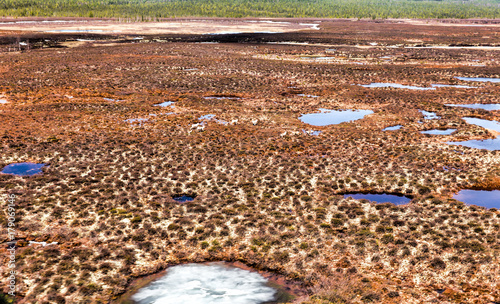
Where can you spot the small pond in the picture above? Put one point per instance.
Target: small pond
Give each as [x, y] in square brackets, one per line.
[393, 128]
[23, 169]
[332, 117]
[212, 283]
[439, 132]
[165, 104]
[479, 79]
[183, 198]
[488, 144]
[488, 199]
[393, 85]
[429, 115]
[489, 107]
[381, 198]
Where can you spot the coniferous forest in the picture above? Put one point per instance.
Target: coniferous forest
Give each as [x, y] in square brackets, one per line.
[154, 9]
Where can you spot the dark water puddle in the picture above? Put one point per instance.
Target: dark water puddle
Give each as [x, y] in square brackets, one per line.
[483, 198]
[380, 198]
[183, 198]
[212, 117]
[394, 85]
[23, 169]
[332, 117]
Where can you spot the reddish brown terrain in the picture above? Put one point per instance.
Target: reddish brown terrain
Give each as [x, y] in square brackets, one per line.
[266, 194]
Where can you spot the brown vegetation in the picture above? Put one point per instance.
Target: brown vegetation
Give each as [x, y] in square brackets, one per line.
[263, 197]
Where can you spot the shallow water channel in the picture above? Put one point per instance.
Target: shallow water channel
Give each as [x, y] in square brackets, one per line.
[23, 169]
[488, 144]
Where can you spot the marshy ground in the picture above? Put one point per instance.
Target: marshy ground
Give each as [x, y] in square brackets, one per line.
[266, 193]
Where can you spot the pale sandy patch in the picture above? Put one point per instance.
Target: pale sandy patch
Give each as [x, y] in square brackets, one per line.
[166, 27]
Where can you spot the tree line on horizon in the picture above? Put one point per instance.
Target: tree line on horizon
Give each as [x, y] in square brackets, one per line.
[155, 9]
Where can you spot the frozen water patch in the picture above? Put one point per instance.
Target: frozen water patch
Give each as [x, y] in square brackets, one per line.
[429, 115]
[479, 79]
[489, 107]
[206, 284]
[3, 101]
[393, 85]
[393, 128]
[332, 117]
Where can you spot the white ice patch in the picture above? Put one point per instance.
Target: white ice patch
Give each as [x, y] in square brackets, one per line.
[206, 284]
[42, 243]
